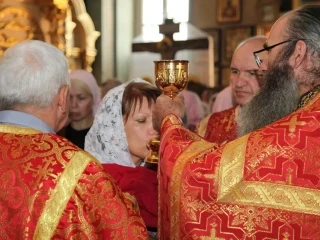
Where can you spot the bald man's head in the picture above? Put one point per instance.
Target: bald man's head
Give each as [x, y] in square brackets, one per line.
[246, 77]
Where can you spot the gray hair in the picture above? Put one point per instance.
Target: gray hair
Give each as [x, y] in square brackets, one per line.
[31, 74]
[304, 24]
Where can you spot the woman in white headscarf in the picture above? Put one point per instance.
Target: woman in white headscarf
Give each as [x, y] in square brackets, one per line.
[119, 136]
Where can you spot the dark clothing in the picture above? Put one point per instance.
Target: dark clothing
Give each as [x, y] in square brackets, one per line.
[75, 136]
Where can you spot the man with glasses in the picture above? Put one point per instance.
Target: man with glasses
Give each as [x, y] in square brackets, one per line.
[246, 79]
[265, 184]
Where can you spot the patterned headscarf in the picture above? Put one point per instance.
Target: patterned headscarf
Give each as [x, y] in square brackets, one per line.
[90, 81]
[106, 139]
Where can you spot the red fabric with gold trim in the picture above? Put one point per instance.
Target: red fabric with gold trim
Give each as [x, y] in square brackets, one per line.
[221, 127]
[30, 167]
[265, 185]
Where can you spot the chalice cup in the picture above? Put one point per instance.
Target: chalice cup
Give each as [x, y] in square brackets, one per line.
[171, 78]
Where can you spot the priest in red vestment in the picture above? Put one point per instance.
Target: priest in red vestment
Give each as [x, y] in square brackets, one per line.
[246, 79]
[50, 188]
[265, 184]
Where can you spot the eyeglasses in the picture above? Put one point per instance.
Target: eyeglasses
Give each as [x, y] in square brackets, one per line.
[259, 60]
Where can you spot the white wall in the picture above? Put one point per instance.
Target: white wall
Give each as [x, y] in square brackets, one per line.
[124, 36]
[107, 40]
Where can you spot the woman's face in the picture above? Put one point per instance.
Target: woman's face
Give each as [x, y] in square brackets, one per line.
[139, 131]
[80, 104]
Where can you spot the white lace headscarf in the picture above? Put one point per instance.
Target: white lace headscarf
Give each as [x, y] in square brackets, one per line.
[106, 139]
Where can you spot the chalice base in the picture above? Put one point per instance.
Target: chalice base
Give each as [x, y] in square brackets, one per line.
[153, 159]
[153, 146]
[171, 91]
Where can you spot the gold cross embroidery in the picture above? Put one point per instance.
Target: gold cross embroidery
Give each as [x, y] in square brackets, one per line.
[230, 122]
[224, 120]
[289, 176]
[41, 172]
[286, 236]
[212, 234]
[228, 127]
[293, 123]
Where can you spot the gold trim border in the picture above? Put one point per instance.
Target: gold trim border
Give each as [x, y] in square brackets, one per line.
[60, 196]
[233, 189]
[13, 129]
[277, 196]
[232, 165]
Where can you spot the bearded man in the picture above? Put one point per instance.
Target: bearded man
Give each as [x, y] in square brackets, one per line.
[265, 184]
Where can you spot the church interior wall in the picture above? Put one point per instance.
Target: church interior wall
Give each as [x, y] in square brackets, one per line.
[119, 21]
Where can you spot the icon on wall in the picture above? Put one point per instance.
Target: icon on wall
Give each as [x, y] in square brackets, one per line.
[228, 11]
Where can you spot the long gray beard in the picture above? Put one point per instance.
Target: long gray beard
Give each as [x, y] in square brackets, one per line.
[279, 97]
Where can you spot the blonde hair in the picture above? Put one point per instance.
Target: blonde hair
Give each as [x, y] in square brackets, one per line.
[81, 85]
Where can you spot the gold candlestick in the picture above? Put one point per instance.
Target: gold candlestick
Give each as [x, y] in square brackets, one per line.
[171, 78]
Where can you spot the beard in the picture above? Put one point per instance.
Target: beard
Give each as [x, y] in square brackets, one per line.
[277, 98]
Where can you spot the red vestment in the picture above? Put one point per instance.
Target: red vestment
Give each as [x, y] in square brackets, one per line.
[49, 188]
[219, 127]
[265, 185]
[142, 183]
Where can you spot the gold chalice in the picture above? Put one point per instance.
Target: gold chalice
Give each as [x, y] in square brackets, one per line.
[171, 78]
[153, 147]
